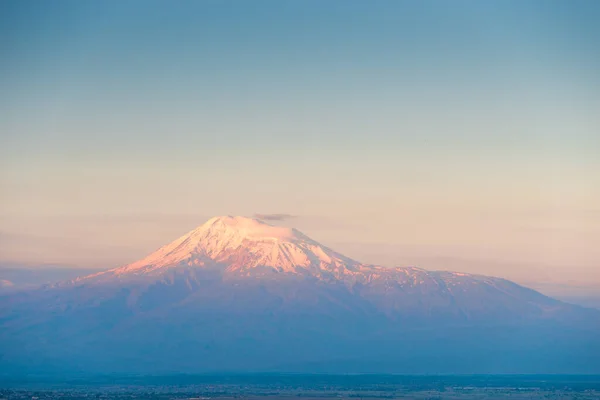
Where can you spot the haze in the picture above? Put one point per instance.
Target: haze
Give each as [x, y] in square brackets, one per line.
[463, 136]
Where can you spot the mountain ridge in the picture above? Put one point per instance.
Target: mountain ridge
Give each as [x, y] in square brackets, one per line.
[205, 244]
[239, 294]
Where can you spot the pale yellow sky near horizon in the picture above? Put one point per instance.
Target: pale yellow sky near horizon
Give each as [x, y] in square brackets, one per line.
[520, 219]
[543, 248]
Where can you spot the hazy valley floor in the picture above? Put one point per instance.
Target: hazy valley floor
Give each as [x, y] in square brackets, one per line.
[308, 387]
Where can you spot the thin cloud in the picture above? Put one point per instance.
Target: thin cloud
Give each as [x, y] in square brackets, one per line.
[274, 217]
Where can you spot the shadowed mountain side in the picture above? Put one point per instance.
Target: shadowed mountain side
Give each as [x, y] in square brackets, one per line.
[239, 295]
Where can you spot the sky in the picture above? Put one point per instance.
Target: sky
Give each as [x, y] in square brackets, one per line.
[457, 135]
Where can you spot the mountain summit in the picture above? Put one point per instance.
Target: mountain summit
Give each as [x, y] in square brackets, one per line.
[250, 251]
[241, 245]
[238, 294]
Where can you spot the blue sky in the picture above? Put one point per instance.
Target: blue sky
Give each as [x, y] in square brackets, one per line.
[462, 129]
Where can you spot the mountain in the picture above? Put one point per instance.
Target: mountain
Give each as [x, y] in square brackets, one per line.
[23, 276]
[238, 294]
[6, 283]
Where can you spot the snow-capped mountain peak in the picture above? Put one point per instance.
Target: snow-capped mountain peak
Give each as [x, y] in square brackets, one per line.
[239, 247]
[243, 246]
[236, 285]
[247, 228]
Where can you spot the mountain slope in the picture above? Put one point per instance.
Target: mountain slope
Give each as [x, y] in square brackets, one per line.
[237, 248]
[239, 294]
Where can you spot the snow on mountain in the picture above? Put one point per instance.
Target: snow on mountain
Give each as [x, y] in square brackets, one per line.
[238, 294]
[239, 249]
[241, 246]
[6, 283]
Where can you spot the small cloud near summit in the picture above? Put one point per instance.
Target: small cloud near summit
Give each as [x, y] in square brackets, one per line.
[274, 217]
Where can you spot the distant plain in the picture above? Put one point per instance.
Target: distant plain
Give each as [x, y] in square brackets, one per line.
[308, 387]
